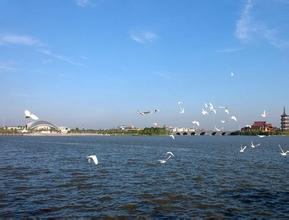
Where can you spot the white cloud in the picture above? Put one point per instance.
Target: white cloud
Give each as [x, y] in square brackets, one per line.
[143, 37]
[6, 67]
[83, 3]
[19, 40]
[243, 26]
[248, 28]
[16, 39]
[59, 57]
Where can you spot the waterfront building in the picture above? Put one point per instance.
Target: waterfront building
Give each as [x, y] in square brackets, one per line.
[262, 126]
[42, 126]
[284, 121]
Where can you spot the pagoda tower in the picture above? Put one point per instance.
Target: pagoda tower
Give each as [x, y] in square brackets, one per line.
[284, 121]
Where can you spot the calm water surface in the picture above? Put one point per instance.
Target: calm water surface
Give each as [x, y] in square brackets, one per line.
[208, 177]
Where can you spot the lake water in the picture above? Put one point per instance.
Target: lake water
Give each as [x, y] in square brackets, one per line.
[207, 178]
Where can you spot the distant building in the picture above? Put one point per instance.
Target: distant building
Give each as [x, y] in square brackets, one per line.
[64, 130]
[42, 126]
[18, 128]
[262, 126]
[259, 126]
[128, 128]
[284, 121]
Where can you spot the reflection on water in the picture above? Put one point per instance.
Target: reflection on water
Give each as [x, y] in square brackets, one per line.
[208, 177]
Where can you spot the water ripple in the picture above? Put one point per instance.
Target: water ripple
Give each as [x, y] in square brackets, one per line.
[49, 177]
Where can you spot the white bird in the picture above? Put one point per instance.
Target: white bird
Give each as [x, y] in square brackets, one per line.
[264, 114]
[182, 109]
[253, 146]
[172, 136]
[282, 152]
[155, 124]
[204, 112]
[248, 126]
[144, 113]
[234, 118]
[225, 109]
[93, 158]
[211, 108]
[196, 123]
[28, 114]
[217, 129]
[232, 74]
[242, 148]
[211, 105]
[169, 155]
[223, 121]
[261, 136]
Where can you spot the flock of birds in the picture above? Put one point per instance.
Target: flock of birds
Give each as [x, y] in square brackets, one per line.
[169, 154]
[283, 153]
[207, 109]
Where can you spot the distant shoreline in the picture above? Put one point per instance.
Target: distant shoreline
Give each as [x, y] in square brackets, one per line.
[119, 135]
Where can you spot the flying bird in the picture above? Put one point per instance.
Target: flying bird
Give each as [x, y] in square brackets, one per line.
[28, 114]
[196, 123]
[264, 114]
[172, 136]
[253, 146]
[232, 74]
[223, 121]
[242, 148]
[217, 129]
[234, 118]
[204, 112]
[225, 109]
[211, 108]
[168, 156]
[182, 109]
[93, 158]
[144, 113]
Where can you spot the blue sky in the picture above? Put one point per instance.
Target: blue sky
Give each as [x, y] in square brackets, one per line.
[94, 63]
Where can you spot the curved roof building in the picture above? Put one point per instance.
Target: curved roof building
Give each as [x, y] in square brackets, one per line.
[41, 125]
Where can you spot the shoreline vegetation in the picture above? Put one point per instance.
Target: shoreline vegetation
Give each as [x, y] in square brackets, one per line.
[152, 131]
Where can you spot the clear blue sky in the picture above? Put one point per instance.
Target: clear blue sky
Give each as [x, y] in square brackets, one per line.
[94, 63]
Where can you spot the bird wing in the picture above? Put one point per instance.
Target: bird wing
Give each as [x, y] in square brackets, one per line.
[281, 148]
[94, 158]
[169, 152]
[34, 117]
